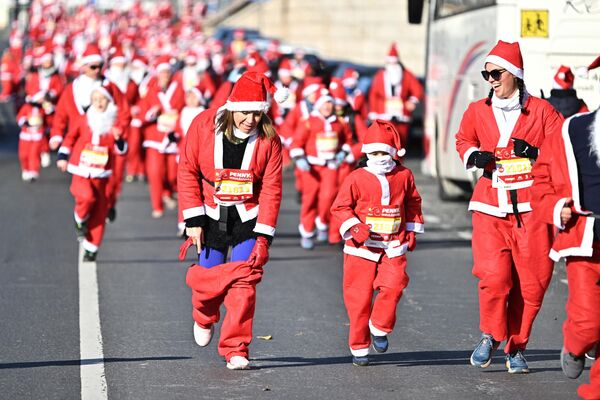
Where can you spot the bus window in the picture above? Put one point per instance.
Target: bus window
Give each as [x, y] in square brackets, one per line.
[447, 8]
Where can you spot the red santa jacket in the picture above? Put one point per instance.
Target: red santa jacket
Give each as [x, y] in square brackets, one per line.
[11, 72]
[556, 179]
[159, 112]
[203, 157]
[90, 155]
[71, 103]
[319, 139]
[299, 113]
[389, 203]
[479, 132]
[44, 89]
[31, 121]
[384, 105]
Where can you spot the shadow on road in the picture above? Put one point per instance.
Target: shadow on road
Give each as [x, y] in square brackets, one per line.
[58, 363]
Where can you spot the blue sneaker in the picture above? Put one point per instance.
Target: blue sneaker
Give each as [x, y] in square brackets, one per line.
[516, 363]
[360, 361]
[482, 355]
[380, 343]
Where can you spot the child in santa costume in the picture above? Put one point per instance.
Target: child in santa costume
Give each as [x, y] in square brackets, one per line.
[565, 194]
[501, 135]
[319, 147]
[31, 120]
[88, 152]
[379, 209]
[231, 163]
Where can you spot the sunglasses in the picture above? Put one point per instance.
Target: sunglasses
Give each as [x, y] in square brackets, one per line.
[495, 74]
[95, 67]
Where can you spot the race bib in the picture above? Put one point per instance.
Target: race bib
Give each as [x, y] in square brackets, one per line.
[35, 121]
[511, 172]
[233, 185]
[327, 145]
[94, 156]
[394, 106]
[384, 221]
[167, 121]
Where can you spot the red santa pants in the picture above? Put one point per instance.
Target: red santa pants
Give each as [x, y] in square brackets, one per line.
[162, 176]
[234, 285]
[29, 156]
[514, 271]
[115, 182]
[361, 278]
[135, 161]
[582, 327]
[319, 187]
[91, 205]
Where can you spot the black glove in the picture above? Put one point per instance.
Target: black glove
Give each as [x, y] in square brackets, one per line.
[524, 149]
[173, 137]
[480, 158]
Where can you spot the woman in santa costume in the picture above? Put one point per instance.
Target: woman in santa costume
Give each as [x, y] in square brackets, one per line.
[379, 209]
[88, 152]
[565, 194]
[320, 145]
[501, 135]
[231, 163]
[160, 111]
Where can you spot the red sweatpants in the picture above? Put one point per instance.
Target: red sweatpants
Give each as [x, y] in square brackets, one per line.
[135, 160]
[514, 271]
[234, 285]
[29, 156]
[162, 176]
[91, 205]
[361, 278]
[115, 182]
[582, 327]
[319, 187]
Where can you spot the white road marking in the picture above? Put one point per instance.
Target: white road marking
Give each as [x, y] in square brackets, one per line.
[93, 380]
[430, 218]
[566, 282]
[467, 235]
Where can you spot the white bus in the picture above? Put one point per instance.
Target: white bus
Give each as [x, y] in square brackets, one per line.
[462, 32]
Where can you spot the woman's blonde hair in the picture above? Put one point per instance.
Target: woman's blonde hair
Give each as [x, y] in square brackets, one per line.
[224, 123]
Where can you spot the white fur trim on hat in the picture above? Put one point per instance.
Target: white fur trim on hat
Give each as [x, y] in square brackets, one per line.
[310, 89]
[322, 100]
[119, 59]
[163, 66]
[246, 105]
[104, 92]
[91, 58]
[372, 147]
[513, 69]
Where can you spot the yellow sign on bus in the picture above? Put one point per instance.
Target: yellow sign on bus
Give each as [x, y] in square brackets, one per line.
[534, 23]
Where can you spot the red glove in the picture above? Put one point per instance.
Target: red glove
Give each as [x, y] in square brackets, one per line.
[260, 253]
[412, 242]
[184, 248]
[360, 232]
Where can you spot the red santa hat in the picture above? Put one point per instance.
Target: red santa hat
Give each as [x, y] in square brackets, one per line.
[98, 87]
[563, 79]
[48, 52]
[311, 85]
[162, 63]
[350, 77]
[338, 92]
[255, 63]
[392, 56]
[250, 93]
[508, 56]
[190, 57]
[91, 54]
[139, 61]
[117, 57]
[383, 136]
[285, 68]
[324, 97]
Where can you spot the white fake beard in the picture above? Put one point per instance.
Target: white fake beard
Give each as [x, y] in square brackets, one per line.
[119, 77]
[84, 88]
[101, 122]
[202, 65]
[595, 138]
[381, 165]
[394, 73]
[137, 75]
[190, 74]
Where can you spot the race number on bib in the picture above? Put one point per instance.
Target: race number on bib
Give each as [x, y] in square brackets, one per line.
[384, 221]
[394, 106]
[166, 122]
[511, 172]
[327, 145]
[233, 184]
[94, 156]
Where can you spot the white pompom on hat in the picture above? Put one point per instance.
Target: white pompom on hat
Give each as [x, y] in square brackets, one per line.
[563, 79]
[383, 136]
[508, 56]
[250, 93]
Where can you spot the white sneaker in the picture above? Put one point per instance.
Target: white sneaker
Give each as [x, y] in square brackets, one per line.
[25, 176]
[238, 362]
[307, 243]
[157, 214]
[202, 336]
[170, 203]
[322, 235]
[45, 160]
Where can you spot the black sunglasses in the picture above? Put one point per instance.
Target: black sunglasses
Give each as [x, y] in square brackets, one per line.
[495, 74]
[95, 67]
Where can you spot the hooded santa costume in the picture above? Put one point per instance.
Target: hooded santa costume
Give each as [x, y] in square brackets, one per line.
[563, 96]
[90, 147]
[379, 211]
[565, 181]
[225, 172]
[394, 94]
[509, 247]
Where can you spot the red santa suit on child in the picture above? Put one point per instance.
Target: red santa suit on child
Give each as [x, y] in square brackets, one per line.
[565, 181]
[319, 146]
[90, 147]
[31, 120]
[509, 246]
[379, 209]
[394, 94]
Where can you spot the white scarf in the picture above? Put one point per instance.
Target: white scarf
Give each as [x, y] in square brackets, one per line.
[595, 137]
[507, 105]
[381, 165]
[101, 122]
[243, 135]
[506, 113]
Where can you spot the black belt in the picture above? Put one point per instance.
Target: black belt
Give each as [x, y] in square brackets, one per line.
[223, 214]
[513, 198]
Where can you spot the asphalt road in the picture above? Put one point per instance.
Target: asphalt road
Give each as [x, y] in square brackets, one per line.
[145, 310]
